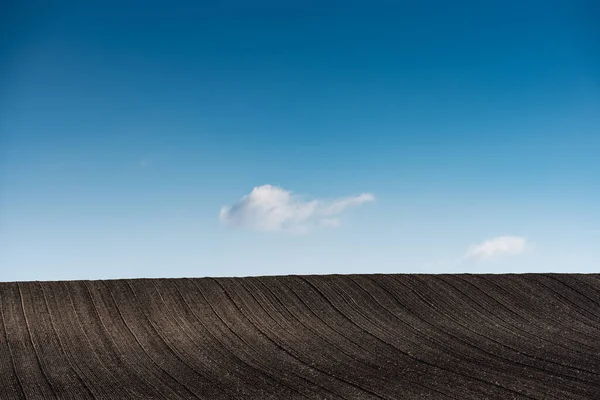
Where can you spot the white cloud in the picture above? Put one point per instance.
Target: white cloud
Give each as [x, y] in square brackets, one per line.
[496, 247]
[339, 206]
[271, 208]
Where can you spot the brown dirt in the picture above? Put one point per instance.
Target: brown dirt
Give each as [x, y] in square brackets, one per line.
[523, 336]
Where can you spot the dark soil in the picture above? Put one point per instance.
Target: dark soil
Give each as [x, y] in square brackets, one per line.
[529, 336]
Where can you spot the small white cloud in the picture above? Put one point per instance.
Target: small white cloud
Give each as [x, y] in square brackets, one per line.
[496, 247]
[271, 208]
[339, 206]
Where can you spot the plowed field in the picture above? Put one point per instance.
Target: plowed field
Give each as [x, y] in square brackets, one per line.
[529, 336]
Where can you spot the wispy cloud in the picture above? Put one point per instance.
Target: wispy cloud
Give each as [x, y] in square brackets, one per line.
[497, 247]
[271, 208]
[490, 249]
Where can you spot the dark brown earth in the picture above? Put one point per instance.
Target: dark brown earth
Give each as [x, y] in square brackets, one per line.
[532, 336]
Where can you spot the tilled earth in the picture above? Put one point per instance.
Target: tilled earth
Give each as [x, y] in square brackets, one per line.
[529, 336]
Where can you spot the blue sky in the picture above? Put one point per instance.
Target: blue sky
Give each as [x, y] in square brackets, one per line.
[260, 138]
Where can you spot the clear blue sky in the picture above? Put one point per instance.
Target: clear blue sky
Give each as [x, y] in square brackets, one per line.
[127, 129]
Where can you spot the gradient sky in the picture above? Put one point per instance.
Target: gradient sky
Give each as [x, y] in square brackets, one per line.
[127, 129]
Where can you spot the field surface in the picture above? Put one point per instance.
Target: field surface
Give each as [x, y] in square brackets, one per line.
[531, 336]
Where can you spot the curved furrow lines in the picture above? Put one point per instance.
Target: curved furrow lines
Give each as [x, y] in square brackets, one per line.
[399, 317]
[470, 335]
[305, 335]
[491, 326]
[554, 311]
[445, 320]
[359, 337]
[540, 337]
[130, 346]
[371, 343]
[229, 316]
[288, 334]
[229, 350]
[585, 287]
[215, 337]
[572, 299]
[403, 356]
[524, 337]
[130, 367]
[154, 344]
[119, 374]
[524, 318]
[539, 373]
[254, 334]
[195, 372]
[412, 346]
[450, 336]
[11, 386]
[211, 346]
[27, 366]
[565, 300]
[246, 355]
[472, 347]
[57, 344]
[450, 363]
